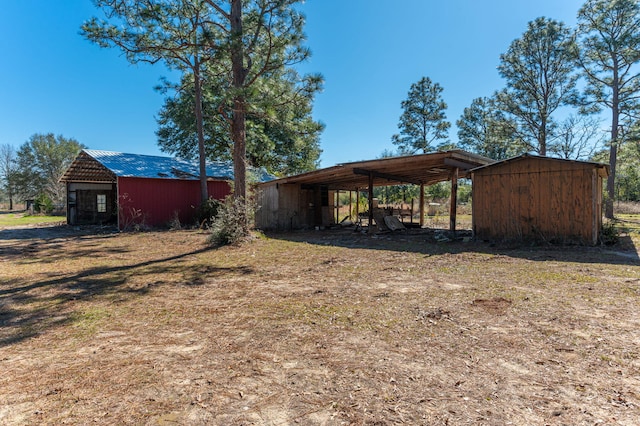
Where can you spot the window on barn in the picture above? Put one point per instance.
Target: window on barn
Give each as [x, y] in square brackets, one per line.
[102, 203]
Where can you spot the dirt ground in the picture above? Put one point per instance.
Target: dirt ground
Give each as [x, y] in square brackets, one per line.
[315, 328]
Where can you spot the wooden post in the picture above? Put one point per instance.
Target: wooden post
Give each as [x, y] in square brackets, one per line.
[317, 201]
[411, 212]
[350, 204]
[454, 201]
[421, 205]
[337, 198]
[357, 203]
[473, 216]
[370, 202]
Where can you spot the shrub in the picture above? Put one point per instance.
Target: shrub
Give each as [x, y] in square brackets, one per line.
[230, 224]
[43, 204]
[131, 218]
[206, 212]
[609, 234]
[174, 223]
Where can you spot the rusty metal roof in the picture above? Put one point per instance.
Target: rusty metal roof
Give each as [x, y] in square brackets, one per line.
[105, 166]
[416, 169]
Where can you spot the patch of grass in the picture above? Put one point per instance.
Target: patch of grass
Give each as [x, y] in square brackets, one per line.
[21, 219]
[87, 322]
[628, 223]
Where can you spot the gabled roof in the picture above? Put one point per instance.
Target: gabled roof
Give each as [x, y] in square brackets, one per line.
[105, 166]
[417, 169]
[603, 169]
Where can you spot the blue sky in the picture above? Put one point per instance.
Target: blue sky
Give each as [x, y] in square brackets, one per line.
[53, 80]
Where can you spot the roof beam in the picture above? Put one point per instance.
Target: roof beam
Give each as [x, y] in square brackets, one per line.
[387, 176]
[459, 164]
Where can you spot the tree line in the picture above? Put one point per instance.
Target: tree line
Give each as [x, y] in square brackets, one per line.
[33, 171]
[558, 81]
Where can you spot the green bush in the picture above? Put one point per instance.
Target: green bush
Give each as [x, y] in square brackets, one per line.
[609, 234]
[43, 204]
[206, 212]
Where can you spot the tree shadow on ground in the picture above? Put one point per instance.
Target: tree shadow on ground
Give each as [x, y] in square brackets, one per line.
[434, 242]
[28, 309]
[54, 230]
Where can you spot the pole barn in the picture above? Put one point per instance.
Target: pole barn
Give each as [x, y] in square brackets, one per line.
[538, 198]
[310, 199]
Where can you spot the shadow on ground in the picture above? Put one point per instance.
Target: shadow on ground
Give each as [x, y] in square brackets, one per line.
[29, 308]
[432, 242]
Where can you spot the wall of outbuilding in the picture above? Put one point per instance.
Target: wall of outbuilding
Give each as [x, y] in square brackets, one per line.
[285, 207]
[82, 207]
[538, 198]
[156, 202]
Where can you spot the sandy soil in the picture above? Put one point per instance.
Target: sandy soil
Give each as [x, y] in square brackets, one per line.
[315, 328]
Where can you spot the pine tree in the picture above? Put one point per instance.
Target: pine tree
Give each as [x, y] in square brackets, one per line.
[423, 120]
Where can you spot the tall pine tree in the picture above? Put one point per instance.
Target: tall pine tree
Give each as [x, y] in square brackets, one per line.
[238, 40]
[539, 69]
[423, 120]
[609, 38]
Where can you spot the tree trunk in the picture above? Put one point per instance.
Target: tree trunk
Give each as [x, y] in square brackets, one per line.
[542, 143]
[613, 148]
[238, 130]
[204, 192]
[238, 125]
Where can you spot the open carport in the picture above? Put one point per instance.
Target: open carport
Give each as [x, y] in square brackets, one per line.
[302, 201]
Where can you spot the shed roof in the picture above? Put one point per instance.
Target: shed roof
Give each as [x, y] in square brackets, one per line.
[104, 166]
[416, 169]
[603, 169]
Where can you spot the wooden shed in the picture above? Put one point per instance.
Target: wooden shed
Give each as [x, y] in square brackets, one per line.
[131, 189]
[538, 198]
[306, 200]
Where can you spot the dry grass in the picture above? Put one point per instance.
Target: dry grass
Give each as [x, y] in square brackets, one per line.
[324, 328]
[626, 207]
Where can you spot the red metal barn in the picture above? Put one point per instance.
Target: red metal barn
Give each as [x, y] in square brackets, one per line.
[538, 198]
[138, 190]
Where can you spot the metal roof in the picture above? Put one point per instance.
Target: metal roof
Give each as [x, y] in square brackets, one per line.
[118, 164]
[417, 169]
[603, 169]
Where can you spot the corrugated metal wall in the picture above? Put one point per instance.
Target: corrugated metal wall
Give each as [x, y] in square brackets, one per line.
[156, 201]
[535, 198]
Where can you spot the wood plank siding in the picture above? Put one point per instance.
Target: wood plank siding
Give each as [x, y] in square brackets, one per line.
[538, 198]
[285, 207]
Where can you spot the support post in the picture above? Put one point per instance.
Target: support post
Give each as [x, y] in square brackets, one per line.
[317, 201]
[454, 201]
[421, 205]
[370, 202]
[411, 212]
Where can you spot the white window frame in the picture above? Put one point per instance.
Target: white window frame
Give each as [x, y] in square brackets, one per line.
[101, 200]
